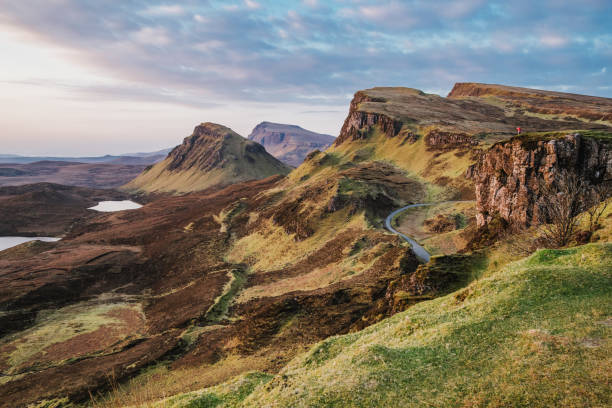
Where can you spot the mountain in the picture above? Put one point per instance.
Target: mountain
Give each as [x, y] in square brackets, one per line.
[289, 143]
[213, 156]
[282, 275]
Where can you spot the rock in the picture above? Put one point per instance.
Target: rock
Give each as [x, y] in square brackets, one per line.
[437, 139]
[359, 122]
[508, 177]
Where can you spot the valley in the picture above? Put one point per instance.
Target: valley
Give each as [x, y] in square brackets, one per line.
[243, 282]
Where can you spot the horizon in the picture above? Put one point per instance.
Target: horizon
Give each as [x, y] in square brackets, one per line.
[137, 76]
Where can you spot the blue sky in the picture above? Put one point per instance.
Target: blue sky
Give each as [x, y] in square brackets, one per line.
[91, 77]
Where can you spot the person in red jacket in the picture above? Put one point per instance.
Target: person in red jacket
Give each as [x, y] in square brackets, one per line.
[518, 130]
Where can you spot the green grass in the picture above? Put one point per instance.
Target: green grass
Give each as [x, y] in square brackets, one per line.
[230, 394]
[536, 333]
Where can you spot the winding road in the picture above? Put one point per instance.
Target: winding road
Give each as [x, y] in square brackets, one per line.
[420, 252]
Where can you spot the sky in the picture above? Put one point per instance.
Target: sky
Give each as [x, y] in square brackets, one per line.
[90, 77]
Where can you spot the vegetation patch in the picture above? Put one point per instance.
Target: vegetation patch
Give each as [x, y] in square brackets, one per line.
[218, 311]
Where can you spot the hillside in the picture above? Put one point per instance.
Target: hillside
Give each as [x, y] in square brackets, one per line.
[289, 143]
[535, 333]
[213, 156]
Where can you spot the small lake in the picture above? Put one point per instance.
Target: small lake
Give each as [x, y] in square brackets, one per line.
[8, 242]
[110, 206]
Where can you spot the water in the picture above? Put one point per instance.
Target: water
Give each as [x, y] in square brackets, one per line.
[9, 242]
[110, 206]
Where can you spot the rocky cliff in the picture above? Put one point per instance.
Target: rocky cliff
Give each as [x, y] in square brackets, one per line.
[289, 143]
[359, 121]
[509, 177]
[213, 156]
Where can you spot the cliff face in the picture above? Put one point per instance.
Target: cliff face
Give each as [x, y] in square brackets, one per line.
[289, 143]
[213, 156]
[358, 122]
[509, 176]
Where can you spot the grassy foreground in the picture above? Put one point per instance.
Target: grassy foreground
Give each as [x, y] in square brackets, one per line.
[537, 332]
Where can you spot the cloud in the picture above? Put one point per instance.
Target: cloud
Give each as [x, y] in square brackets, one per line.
[294, 61]
[157, 36]
[553, 40]
[253, 5]
[318, 52]
[165, 10]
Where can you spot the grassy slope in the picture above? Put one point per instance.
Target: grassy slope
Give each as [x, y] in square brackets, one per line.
[415, 159]
[236, 169]
[537, 332]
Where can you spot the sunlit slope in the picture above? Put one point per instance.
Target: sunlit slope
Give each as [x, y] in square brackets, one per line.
[213, 156]
[535, 333]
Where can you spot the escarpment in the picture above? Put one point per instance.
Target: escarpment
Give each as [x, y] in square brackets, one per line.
[510, 177]
[358, 122]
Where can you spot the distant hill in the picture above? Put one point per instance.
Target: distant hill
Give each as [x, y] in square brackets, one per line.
[128, 158]
[212, 156]
[289, 143]
[93, 175]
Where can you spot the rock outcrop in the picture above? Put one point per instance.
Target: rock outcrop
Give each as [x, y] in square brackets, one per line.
[213, 156]
[358, 121]
[438, 139]
[509, 177]
[289, 143]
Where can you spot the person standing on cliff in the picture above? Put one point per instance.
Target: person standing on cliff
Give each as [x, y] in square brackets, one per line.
[518, 130]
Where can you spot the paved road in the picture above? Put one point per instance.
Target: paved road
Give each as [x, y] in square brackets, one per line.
[420, 252]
